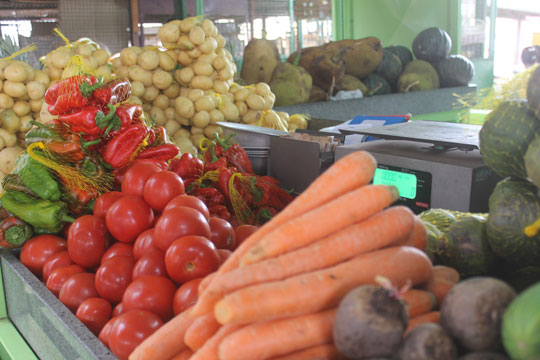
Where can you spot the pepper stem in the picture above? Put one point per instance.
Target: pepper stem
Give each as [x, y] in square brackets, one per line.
[67, 218]
[86, 144]
[16, 235]
[87, 89]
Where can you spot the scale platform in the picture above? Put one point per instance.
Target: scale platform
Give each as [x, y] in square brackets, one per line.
[449, 174]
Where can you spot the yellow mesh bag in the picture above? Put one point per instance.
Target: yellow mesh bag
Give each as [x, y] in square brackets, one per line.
[240, 207]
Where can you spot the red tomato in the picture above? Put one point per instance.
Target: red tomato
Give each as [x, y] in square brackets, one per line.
[128, 217]
[178, 222]
[113, 277]
[223, 255]
[55, 261]
[242, 232]
[105, 331]
[190, 257]
[188, 201]
[94, 313]
[163, 165]
[118, 249]
[58, 277]
[104, 202]
[87, 241]
[37, 250]
[152, 263]
[130, 329]
[76, 289]
[161, 187]
[152, 293]
[136, 176]
[144, 243]
[186, 295]
[118, 310]
[222, 233]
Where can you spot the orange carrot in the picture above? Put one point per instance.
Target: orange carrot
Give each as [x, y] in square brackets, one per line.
[166, 342]
[200, 331]
[430, 317]
[323, 289]
[278, 337]
[347, 209]
[205, 282]
[350, 172]
[418, 237]
[209, 351]
[418, 302]
[376, 232]
[319, 352]
[441, 281]
[184, 355]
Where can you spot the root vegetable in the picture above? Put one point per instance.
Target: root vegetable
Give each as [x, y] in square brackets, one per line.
[162, 102]
[158, 115]
[25, 123]
[201, 82]
[148, 60]
[172, 126]
[184, 58]
[185, 145]
[230, 112]
[169, 32]
[195, 53]
[183, 132]
[184, 107]
[90, 62]
[262, 89]
[196, 130]
[21, 108]
[188, 23]
[269, 101]
[9, 139]
[221, 42]
[6, 101]
[137, 88]
[146, 107]
[195, 94]
[10, 120]
[172, 91]
[14, 89]
[41, 77]
[201, 119]
[216, 116]
[161, 79]
[54, 73]
[181, 120]
[7, 159]
[35, 90]
[205, 103]
[219, 63]
[221, 86]
[169, 113]
[210, 130]
[60, 59]
[197, 35]
[166, 62]
[184, 75]
[207, 58]
[208, 27]
[203, 68]
[242, 107]
[185, 43]
[430, 342]
[137, 73]
[122, 71]
[226, 74]
[150, 93]
[255, 102]
[101, 56]
[251, 116]
[84, 49]
[15, 72]
[104, 71]
[116, 62]
[208, 46]
[134, 100]
[35, 105]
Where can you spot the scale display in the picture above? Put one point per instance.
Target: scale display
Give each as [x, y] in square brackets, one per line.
[414, 186]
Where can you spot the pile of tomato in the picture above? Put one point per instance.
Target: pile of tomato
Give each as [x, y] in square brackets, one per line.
[137, 260]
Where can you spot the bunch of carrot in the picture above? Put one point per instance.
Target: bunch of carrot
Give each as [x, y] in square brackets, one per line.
[276, 295]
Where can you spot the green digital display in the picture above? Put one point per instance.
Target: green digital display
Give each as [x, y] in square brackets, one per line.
[405, 182]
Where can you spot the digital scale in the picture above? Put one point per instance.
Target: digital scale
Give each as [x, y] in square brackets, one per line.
[433, 164]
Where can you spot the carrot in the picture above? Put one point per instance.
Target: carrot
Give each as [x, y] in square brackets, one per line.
[166, 342]
[205, 282]
[418, 237]
[441, 281]
[376, 232]
[278, 337]
[200, 330]
[418, 302]
[430, 317]
[319, 352]
[184, 355]
[323, 289]
[350, 172]
[348, 209]
[209, 351]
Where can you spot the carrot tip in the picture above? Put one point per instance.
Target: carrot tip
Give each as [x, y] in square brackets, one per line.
[222, 313]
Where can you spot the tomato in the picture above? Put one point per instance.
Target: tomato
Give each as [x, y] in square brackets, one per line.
[178, 222]
[186, 295]
[152, 263]
[37, 250]
[87, 241]
[58, 277]
[162, 187]
[104, 202]
[118, 249]
[190, 257]
[94, 313]
[163, 165]
[152, 293]
[56, 261]
[76, 289]
[242, 232]
[105, 331]
[136, 176]
[113, 277]
[128, 217]
[118, 309]
[223, 255]
[222, 233]
[144, 243]
[188, 201]
[130, 329]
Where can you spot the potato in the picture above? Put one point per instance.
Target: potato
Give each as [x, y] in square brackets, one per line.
[227, 55]
[262, 89]
[207, 58]
[123, 72]
[116, 63]
[2, 146]
[184, 58]
[255, 102]
[185, 145]
[25, 123]
[42, 78]
[14, 89]
[6, 101]
[201, 82]
[208, 46]
[184, 75]
[128, 56]
[221, 87]
[242, 107]
[44, 115]
[428, 341]
[161, 79]
[90, 62]
[60, 59]
[15, 72]
[161, 101]
[196, 139]
[138, 73]
[8, 157]
[104, 71]
[150, 93]
[134, 100]
[21, 108]
[181, 120]
[9, 138]
[221, 42]
[185, 44]
[205, 103]
[241, 94]
[3, 64]
[225, 74]
[35, 105]
[137, 88]
[172, 91]
[197, 35]
[188, 23]
[169, 113]
[195, 94]
[147, 107]
[169, 32]
[195, 130]
[202, 68]
[201, 119]
[251, 116]
[216, 116]
[269, 101]
[54, 73]
[35, 90]
[101, 56]
[195, 53]
[211, 130]
[184, 91]
[157, 115]
[184, 107]
[30, 71]
[148, 60]
[166, 62]
[171, 126]
[230, 112]
[10, 120]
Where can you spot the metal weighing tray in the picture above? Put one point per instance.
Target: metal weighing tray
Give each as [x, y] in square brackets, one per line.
[440, 134]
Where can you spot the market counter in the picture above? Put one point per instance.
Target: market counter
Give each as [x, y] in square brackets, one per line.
[46, 325]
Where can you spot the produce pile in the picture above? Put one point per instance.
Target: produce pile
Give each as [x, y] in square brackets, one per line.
[316, 73]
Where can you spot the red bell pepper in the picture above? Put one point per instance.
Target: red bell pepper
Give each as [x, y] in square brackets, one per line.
[160, 152]
[235, 154]
[267, 193]
[121, 150]
[70, 93]
[112, 92]
[220, 211]
[188, 167]
[210, 196]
